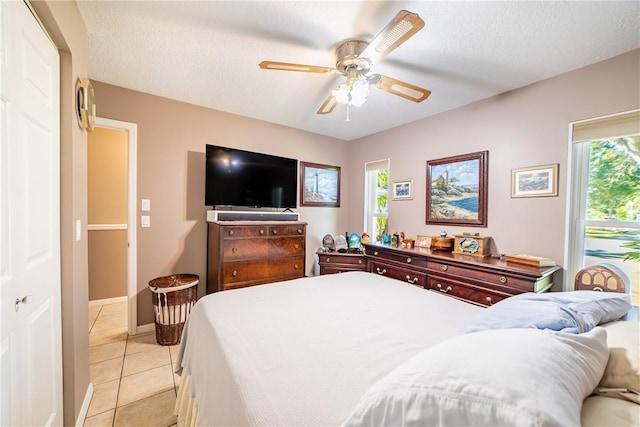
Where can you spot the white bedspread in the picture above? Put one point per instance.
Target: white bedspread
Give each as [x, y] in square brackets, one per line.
[303, 352]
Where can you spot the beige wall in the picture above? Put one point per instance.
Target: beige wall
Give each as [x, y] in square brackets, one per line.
[107, 160]
[524, 127]
[171, 144]
[64, 24]
[107, 155]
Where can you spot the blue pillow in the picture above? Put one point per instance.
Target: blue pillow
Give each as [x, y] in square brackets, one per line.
[572, 312]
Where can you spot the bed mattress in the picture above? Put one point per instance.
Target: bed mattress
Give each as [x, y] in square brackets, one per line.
[303, 352]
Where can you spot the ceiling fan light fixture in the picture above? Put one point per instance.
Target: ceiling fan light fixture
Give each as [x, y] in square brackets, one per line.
[353, 92]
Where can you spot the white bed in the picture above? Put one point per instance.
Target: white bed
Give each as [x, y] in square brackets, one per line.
[306, 351]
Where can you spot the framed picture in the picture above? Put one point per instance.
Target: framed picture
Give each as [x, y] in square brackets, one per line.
[457, 190]
[535, 181]
[319, 185]
[403, 189]
[423, 241]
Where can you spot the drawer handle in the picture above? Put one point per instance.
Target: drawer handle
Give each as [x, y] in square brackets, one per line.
[409, 260]
[234, 250]
[274, 231]
[230, 232]
[295, 267]
[383, 271]
[359, 261]
[235, 273]
[445, 267]
[296, 246]
[328, 259]
[503, 279]
[299, 231]
[415, 279]
[261, 232]
[447, 290]
[488, 299]
[375, 253]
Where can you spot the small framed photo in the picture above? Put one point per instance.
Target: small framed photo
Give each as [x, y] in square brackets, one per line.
[403, 189]
[423, 241]
[535, 181]
[319, 185]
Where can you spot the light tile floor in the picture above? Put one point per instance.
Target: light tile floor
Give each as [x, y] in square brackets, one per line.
[132, 376]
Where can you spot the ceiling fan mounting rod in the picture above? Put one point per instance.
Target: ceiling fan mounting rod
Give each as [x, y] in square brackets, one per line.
[347, 56]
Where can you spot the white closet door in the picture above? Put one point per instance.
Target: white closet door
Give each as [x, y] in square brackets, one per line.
[30, 340]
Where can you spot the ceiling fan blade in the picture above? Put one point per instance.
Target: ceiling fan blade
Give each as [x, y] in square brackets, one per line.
[404, 25]
[403, 89]
[287, 66]
[328, 105]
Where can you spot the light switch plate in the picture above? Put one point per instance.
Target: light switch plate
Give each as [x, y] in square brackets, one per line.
[78, 230]
[146, 205]
[145, 221]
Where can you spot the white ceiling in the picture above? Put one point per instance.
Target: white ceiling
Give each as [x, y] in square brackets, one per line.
[207, 52]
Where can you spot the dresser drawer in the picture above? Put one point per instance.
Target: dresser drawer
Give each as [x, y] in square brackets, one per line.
[234, 249]
[495, 278]
[262, 270]
[286, 230]
[470, 293]
[328, 258]
[397, 256]
[286, 246]
[333, 269]
[244, 231]
[416, 278]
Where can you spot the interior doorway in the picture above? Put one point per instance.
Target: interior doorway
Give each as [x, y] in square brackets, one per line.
[112, 216]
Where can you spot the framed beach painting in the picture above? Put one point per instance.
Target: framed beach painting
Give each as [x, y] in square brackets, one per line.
[319, 185]
[457, 190]
[536, 181]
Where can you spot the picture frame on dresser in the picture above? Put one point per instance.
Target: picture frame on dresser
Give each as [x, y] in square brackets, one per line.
[319, 185]
[457, 190]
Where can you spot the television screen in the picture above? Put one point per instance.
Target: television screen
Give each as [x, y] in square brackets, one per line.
[243, 178]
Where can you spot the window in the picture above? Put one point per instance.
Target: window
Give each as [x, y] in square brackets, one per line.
[376, 198]
[605, 196]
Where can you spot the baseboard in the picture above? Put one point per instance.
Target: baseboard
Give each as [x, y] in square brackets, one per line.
[84, 409]
[145, 329]
[108, 301]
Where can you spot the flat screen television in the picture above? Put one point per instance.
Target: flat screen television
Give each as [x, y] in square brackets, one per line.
[247, 179]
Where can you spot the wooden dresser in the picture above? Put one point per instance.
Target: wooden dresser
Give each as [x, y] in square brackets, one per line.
[336, 262]
[482, 281]
[247, 253]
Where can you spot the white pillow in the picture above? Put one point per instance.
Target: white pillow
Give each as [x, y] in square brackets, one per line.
[490, 378]
[623, 368]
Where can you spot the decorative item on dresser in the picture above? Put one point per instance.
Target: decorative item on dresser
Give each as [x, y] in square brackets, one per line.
[247, 253]
[479, 280]
[336, 262]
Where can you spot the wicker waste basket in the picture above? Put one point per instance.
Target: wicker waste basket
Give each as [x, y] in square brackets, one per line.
[173, 297]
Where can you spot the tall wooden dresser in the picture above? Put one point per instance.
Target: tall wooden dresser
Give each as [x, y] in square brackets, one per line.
[247, 253]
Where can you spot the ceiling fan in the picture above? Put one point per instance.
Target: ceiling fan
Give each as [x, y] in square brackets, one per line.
[355, 58]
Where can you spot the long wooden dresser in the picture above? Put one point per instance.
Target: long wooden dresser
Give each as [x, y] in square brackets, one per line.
[247, 253]
[479, 280]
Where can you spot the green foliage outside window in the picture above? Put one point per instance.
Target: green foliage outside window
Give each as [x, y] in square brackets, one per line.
[614, 185]
[614, 180]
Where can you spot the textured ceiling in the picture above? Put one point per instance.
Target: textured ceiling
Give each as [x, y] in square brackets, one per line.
[207, 52]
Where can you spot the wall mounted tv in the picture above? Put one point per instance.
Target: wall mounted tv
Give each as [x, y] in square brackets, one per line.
[247, 179]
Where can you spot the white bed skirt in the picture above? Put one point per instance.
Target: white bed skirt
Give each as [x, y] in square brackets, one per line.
[186, 408]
